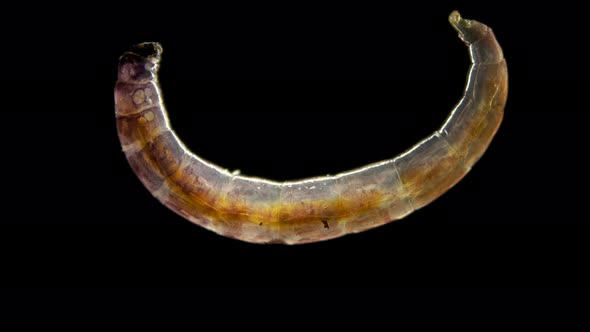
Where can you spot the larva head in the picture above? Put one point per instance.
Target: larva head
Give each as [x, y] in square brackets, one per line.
[140, 63]
[470, 31]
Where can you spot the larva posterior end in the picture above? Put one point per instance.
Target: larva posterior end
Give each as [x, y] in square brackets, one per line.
[140, 63]
[470, 31]
[148, 50]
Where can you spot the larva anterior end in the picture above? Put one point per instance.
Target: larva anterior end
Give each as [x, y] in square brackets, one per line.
[470, 31]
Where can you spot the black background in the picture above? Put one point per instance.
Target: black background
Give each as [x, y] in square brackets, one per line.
[286, 93]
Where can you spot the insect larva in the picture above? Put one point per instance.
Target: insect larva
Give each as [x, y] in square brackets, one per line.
[316, 209]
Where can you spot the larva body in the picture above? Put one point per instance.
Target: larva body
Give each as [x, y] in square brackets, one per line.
[261, 211]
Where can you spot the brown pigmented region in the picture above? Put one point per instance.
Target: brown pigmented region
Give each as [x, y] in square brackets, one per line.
[262, 211]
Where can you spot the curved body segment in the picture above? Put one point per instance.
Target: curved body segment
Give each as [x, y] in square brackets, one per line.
[261, 211]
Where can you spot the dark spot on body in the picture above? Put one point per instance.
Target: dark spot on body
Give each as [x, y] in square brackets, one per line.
[276, 241]
[325, 222]
[260, 224]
